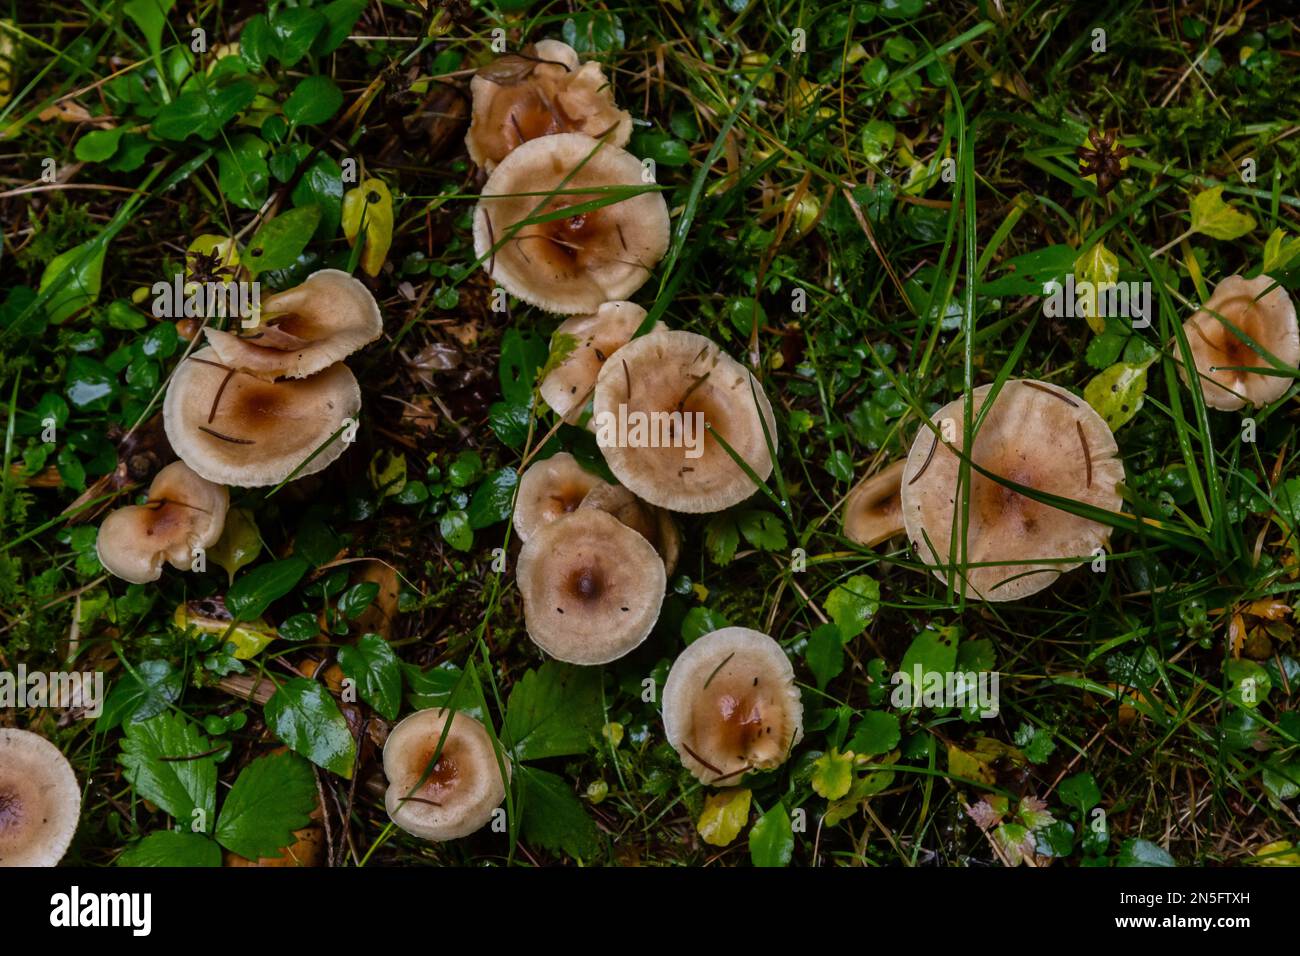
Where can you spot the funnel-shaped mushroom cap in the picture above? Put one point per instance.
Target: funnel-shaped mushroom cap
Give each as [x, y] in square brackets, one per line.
[1037, 435]
[873, 511]
[237, 429]
[573, 264]
[545, 91]
[592, 587]
[550, 489]
[185, 511]
[654, 524]
[304, 329]
[595, 338]
[459, 793]
[731, 705]
[1220, 353]
[40, 801]
[661, 406]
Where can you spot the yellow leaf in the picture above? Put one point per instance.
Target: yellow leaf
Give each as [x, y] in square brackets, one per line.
[239, 544]
[725, 815]
[1279, 252]
[1117, 393]
[1213, 217]
[1278, 853]
[369, 208]
[832, 774]
[250, 638]
[976, 762]
[1098, 266]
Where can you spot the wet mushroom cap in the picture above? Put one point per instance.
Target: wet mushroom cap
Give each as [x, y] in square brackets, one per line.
[303, 330]
[873, 511]
[591, 587]
[654, 524]
[571, 264]
[596, 337]
[185, 511]
[236, 429]
[40, 801]
[730, 705]
[1219, 353]
[550, 489]
[685, 393]
[460, 791]
[518, 98]
[1038, 435]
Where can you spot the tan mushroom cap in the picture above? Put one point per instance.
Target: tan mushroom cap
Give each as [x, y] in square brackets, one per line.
[654, 524]
[873, 511]
[574, 264]
[304, 329]
[543, 92]
[731, 705]
[237, 429]
[1038, 435]
[591, 586]
[674, 373]
[1218, 352]
[185, 511]
[40, 801]
[461, 790]
[568, 385]
[550, 489]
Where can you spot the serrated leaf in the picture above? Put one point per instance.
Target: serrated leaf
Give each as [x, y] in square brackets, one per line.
[721, 538]
[552, 817]
[553, 711]
[1213, 217]
[272, 797]
[877, 732]
[771, 841]
[1117, 394]
[724, 815]
[377, 671]
[164, 760]
[303, 715]
[762, 529]
[172, 848]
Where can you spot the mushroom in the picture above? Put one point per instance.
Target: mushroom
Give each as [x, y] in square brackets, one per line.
[237, 429]
[567, 386]
[873, 511]
[304, 329]
[591, 586]
[185, 511]
[1037, 435]
[543, 91]
[40, 801]
[549, 489]
[730, 705]
[457, 794]
[659, 411]
[654, 524]
[570, 264]
[1220, 354]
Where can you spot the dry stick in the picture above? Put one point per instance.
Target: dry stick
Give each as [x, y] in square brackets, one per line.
[1087, 455]
[718, 668]
[1055, 394]
[875, 246]
[699, 759]
[933, 445]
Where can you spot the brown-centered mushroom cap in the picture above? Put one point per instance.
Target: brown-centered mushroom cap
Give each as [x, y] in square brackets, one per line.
[1038, 435]
[730, 705]
[569, 265]
[304, 329]
[597, 337]
[873, 511]
[184, 511]
[550, 489]
[591, 586]
[674, 373]
[236, 429]
[1219, 353]
[518, 98]
[654, 524]
[40, 801]
[461, 790]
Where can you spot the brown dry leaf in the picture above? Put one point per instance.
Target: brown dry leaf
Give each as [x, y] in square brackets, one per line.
[1269, 609]
[1236, 634]
[378, 617]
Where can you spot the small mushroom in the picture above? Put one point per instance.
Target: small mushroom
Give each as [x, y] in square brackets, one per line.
[873, 511]
[544, 91]
[457, 794]
[303, 330]
[40, 801]
[236, 429]
[570, 264]
[567, 386]
[591, 587]
[549, 489]
[185, 511]
[731, 705]
[1037, 435]
[660, 408]
[1220, 354]
[654, 524]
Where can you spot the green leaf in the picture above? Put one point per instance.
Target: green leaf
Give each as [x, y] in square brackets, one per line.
[89, 385]
[299, 627]
[242, 171]
[701, 620]
[253, 593]
[137, 698]
[256, 42]
[1279, 255]
[853, 604]
[161, 757]
[493, 498]
[877, 140]
[240, 542]
[825, 654]
[876, 733]
[98, 145]
[1080, 790]
[321, 185]
[340, 17]
[724, 816]
[771, 841]
[304, 715]
[172, 848]
[279, 242]
[721, 538]
[272, 797]
[314, 100]
[1213, 217]
[552, 817]
[151, 17]
[1117, 393]
[293, 31]
[1248, 683]
[75, 276]
[203, 112]
[762, 529]
[455, 529]
[1100, 267]
[832, 774]
[522, 354]
[1137, 852]
[553, 711]
[377, 671]
[354, 601]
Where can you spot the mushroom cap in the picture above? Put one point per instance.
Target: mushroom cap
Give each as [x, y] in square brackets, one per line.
[261, 431]
[684, 374]
[550, 489]
[519, 98]
[570, 265]
[654, 524]
[591, 586]
[566, 386]
[1038, 435]
[873, 511]
[1217, 351]
[304, 329]
[462, 789]
[730, 702]
[186, 511]
[40, 801]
